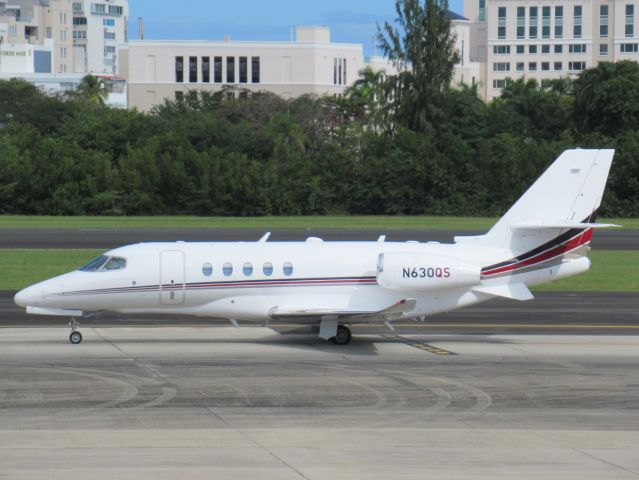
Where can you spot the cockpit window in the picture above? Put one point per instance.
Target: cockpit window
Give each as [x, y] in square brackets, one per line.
[104, 263]
[115, 263]
[95, 264]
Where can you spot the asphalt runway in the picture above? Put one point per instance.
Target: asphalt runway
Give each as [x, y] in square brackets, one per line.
[205, 402]
[109, 238]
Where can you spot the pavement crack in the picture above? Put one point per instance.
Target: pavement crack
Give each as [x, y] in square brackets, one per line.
[256, 443]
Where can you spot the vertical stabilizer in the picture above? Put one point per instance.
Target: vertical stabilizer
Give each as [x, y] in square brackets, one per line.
[568, 193]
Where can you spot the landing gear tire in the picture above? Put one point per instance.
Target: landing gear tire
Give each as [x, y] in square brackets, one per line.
[75, 337]
[343, 336]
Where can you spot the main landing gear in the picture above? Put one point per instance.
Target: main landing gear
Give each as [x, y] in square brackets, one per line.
[75, 337]
[343, 335]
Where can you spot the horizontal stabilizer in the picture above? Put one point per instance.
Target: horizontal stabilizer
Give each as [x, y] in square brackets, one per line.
[561, 225]
[57, 312]
[514, 291]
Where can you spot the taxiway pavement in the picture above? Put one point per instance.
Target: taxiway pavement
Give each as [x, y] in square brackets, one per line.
[205, 402]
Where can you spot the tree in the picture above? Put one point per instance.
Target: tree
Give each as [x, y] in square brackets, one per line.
[93, 89]
[422, 48]
[368, 95]
[607, 97]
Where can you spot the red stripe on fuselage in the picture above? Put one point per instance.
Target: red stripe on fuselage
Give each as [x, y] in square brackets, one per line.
[576, 241]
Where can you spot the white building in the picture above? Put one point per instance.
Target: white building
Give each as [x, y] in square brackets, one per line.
[549, 39]
[98, 28]
[157, 70]
[43, 24]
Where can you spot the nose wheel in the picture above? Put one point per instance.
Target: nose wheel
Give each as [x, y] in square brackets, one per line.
[75, 337]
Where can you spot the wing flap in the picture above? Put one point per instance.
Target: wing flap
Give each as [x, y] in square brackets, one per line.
[397, 309]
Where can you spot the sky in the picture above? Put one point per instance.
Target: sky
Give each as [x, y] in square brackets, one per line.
[351, 21]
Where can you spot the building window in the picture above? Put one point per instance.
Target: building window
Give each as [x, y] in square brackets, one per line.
[227, 269]
[255, 69]
[109, 49]
[559, 22]
[603, 21]
[559, 48]
[576, 66]
[532, 66]
[501, 49]
[217, 69]
[558, 66]
[521, 22]
[577, 12]
[603, 49]
[179, 69]
[520, 66]
[287, 269]
[109, 35]
[501, 25]
[577, 48]
[628, 47]
[207, 269]
[193, 69]
[499, 83]
[545, 66]
[482, 10]
[50, 33]
[243, 69]
[630, 20]
[115, 10]
[532, 29]
[77, 7]
[230, 69]
[501, 67]
[79, 21]
[521, 49]
[545, 49]
[545, 22]
[108, 22]
[268, 269]
[206, 69]
[532, 49]
[247, 268]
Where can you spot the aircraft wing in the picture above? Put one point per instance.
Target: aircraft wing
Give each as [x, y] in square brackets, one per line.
[395, 310]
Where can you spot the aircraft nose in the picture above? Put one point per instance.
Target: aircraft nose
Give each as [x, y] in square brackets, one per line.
[26, 297]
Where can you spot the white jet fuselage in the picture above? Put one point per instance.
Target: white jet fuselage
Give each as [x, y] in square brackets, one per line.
[195, 279]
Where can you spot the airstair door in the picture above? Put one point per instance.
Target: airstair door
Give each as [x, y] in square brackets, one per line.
[172, 277]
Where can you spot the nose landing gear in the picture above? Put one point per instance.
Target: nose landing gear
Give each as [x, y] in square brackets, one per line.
[75, 337]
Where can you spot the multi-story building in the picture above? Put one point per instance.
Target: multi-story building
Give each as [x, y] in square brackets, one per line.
[99, 27]
[36, 27]
[157, 70]
[549, 39]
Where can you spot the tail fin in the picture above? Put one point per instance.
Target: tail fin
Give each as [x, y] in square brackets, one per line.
[566, 196]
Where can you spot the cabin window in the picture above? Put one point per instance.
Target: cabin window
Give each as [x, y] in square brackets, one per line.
[227, 269]
[115, 263]
[288, 269]
[95, 264]
[268, 269]
[207, 269]
[248, 269]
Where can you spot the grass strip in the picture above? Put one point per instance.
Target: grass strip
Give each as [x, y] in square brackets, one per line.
[611, 271]
[342, 222]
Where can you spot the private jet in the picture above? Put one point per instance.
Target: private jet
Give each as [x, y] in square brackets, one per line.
[544, 236]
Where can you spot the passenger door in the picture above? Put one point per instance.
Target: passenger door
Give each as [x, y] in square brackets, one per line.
[172, 277]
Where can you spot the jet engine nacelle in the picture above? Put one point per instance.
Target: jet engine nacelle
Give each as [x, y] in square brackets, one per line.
[417, 272]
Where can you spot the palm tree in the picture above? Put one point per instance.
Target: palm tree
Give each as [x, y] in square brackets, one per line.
[93, 89]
